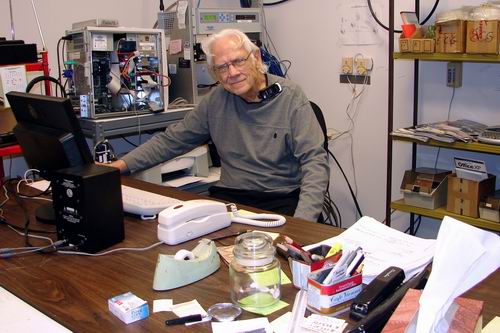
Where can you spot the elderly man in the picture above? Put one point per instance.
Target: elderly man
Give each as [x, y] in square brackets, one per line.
[270, 147]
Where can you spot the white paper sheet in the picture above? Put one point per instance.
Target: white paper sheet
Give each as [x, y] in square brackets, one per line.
[162, 305]
[385, 247]
[239, 326]
[464, 256]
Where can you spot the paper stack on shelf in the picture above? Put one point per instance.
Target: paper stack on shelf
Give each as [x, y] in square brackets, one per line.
[444, 131]
[384, 247]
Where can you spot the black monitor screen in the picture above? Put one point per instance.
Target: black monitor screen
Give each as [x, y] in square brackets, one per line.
[49, 133]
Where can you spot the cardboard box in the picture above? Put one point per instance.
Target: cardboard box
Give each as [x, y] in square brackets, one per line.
[332, 299]
[417, 45]
[467, 317]
[128, 307]
[489, 209]
[425, 187]
[450, 36]
[482, 37]
[464, 195]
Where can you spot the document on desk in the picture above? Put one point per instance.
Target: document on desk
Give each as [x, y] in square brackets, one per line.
[18, 316]
[384, 247]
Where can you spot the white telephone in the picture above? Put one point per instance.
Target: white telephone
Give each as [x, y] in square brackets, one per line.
[195, 218]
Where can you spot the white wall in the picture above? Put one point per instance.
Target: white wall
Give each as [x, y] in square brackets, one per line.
[307, 33]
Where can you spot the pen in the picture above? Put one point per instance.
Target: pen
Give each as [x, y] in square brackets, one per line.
[183, 320]
[351, 268]
[293, 243]
[340, 268]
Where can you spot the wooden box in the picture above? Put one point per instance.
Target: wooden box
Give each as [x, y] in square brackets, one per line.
[482, 37]
[417, 45]
[464, 195]
[450, 36]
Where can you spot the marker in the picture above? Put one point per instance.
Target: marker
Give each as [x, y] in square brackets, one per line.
[336, 247]
[183, 320]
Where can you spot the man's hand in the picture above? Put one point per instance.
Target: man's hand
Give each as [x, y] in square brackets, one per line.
[119, 164]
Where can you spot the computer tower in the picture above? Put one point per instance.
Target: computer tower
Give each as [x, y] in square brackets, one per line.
[186, 27]
[88, 206]
[116, 71]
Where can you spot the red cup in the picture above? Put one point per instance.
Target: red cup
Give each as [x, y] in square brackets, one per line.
[408, 30]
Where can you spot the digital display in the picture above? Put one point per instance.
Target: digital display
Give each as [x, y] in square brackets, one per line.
[209, 18]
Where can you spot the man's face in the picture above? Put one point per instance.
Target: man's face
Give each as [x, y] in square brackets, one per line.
[237, 71]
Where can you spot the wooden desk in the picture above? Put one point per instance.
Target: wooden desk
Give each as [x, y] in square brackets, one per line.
[74, 290]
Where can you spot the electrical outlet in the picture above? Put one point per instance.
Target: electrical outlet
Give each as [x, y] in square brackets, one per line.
[347, 64]
[361, 66]
[454, 74]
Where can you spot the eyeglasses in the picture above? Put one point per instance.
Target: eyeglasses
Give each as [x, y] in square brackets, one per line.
[236, 63]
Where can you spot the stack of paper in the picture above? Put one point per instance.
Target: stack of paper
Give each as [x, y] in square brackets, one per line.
[384, 247]
[445, 131]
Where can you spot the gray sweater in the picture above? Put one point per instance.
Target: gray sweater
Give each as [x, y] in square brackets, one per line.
[272, 146]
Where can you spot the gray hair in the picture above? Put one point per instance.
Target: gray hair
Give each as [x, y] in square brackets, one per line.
[242, 39]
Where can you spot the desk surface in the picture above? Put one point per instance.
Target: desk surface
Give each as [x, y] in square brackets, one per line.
[74, 290]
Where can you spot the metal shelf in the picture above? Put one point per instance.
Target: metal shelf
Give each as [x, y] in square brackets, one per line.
[439, 213]
[99, 129]
[460, 57]
[471, 146]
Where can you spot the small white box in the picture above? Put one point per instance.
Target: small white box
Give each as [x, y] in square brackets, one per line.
[128, 307]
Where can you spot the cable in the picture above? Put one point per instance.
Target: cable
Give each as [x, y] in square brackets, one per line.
[259, 220]
[447, 119]
[110, 251]
[264, 25]
[348, 184]
[274, 3]
[399, 31]
[41, 78]
[128, 141]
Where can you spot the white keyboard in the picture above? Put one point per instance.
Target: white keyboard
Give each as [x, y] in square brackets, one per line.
[143, 203]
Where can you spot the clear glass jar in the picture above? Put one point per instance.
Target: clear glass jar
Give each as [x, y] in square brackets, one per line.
[254, 273]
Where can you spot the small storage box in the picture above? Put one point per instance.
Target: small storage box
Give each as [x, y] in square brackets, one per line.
[417, 45]
[300, 269]
[425, 187]
[464, 195]
[489, 209]
[482, 37]
[450, 36]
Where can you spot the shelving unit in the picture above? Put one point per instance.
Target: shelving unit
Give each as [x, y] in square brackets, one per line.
[473, 147]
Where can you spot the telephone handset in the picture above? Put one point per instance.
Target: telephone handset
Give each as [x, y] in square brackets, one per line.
[195, 218]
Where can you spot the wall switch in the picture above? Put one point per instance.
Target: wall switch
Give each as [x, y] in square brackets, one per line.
[454, 74]
[347, 64]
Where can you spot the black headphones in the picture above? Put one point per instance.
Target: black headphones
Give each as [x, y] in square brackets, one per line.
[104, 152]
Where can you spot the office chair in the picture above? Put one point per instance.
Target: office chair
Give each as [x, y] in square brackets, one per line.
[330, 213]
[321, 120]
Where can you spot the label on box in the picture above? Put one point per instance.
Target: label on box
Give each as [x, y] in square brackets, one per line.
[330, 298]
[482, 36]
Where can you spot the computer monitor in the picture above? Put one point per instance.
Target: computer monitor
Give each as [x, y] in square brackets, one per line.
[49, 132]
[50, 136]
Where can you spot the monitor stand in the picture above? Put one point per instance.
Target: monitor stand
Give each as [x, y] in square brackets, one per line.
[46, 214]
